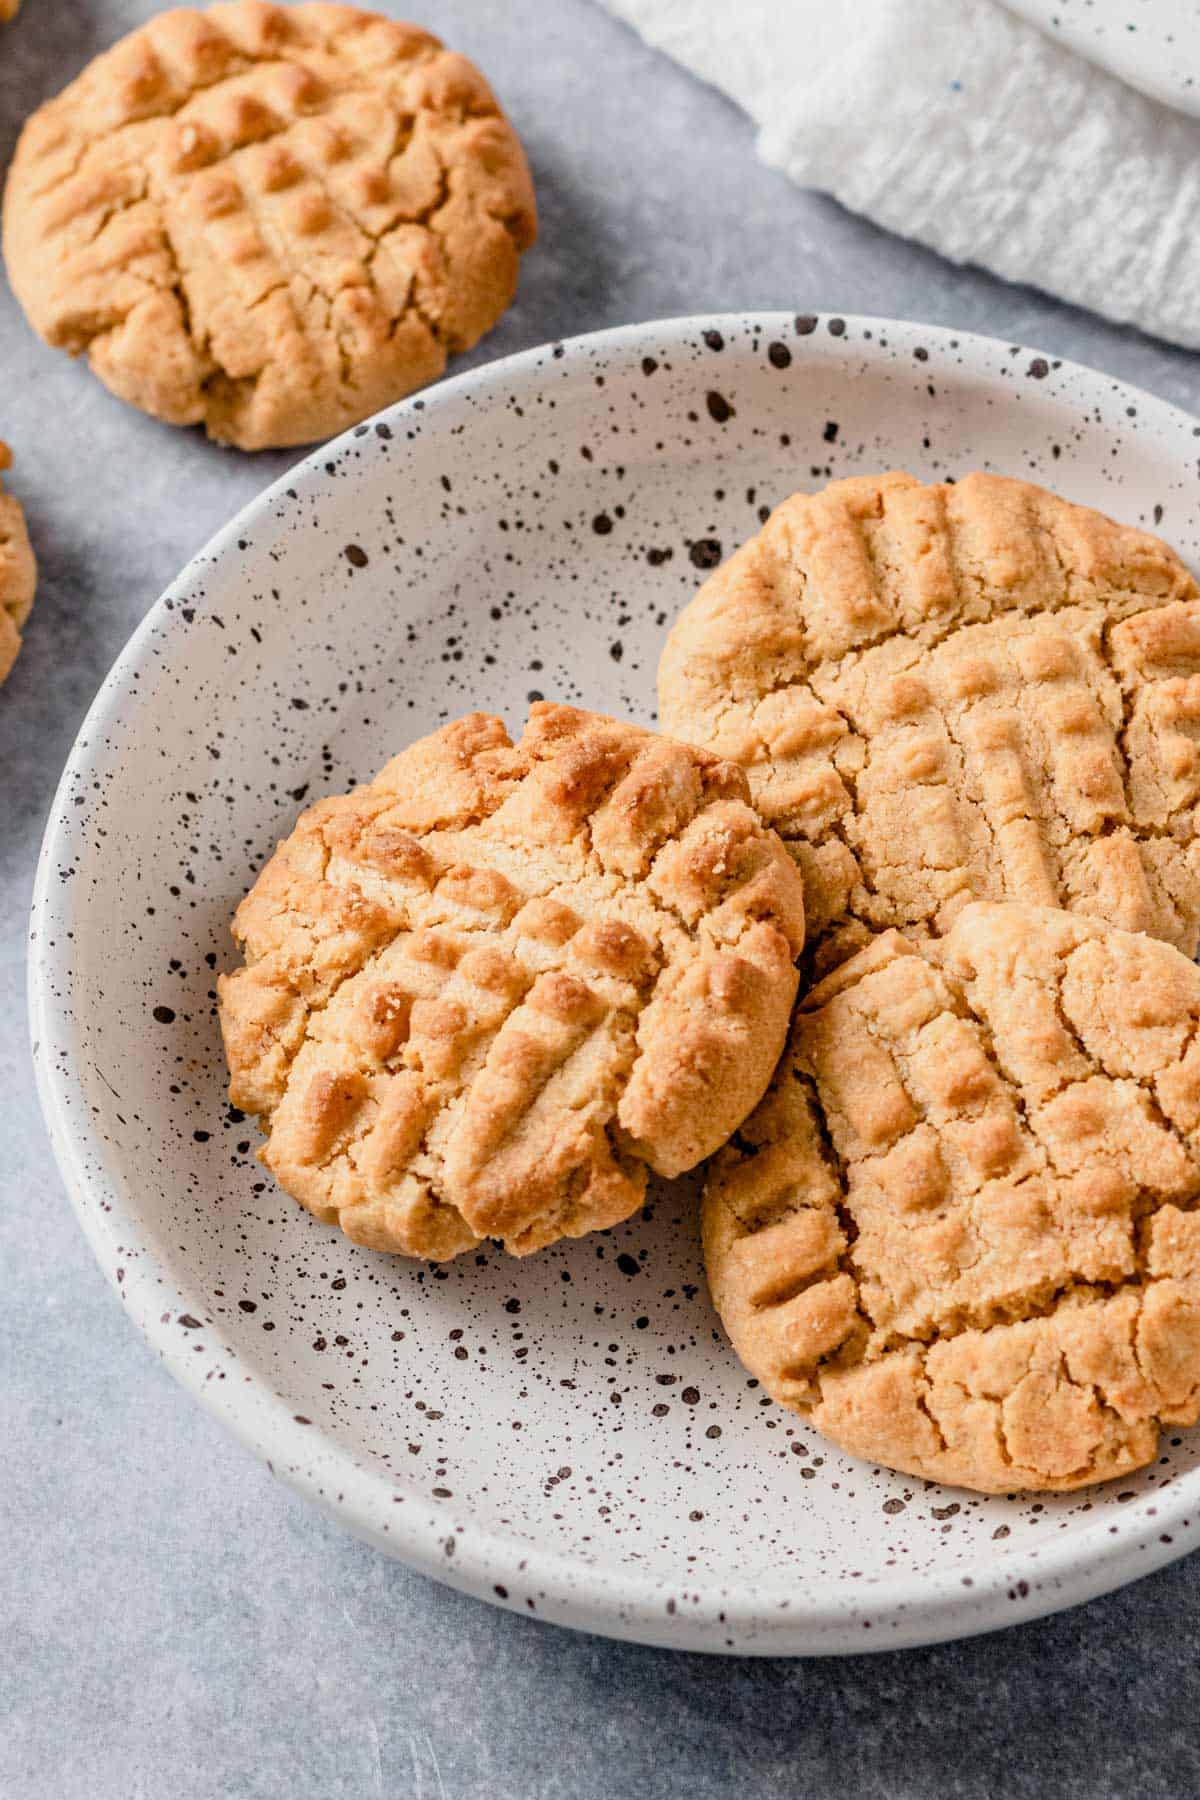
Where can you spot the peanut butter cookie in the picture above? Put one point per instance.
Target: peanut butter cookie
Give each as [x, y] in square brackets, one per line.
[947, 693]
[18, 572]
[269, 220]
[961, 1232]
[484, 992]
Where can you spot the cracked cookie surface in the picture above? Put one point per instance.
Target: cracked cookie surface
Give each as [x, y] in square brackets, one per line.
[961, 1231]
[268, 220]
[484, 993]
[18, 572]
[957, 692]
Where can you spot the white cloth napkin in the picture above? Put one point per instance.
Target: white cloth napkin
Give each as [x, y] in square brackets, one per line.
[956, 123]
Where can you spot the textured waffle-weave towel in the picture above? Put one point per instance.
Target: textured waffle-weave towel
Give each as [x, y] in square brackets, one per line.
[956, 123]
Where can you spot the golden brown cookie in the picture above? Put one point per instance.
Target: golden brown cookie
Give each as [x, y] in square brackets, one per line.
[269, 220]
[8, 8]
[961, 1232]
[484, 992]
[948, 693]
[18, 573]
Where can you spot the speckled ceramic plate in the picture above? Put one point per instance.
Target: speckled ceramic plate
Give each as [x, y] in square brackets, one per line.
[1152, 44]
[569, 1435]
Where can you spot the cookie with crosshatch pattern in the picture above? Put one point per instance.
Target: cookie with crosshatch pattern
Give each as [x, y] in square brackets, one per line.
[961, 1232]
[953, 692]
[269, 220]
[484, 994]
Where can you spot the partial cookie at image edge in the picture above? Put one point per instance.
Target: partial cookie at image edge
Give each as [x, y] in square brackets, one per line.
[18, 572]
[272, 221]
[960, 1234]
[951, 692]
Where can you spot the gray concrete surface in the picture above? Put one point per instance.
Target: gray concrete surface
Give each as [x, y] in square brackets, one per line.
[172, 1621]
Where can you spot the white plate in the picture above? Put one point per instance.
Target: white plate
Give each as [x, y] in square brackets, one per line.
[1152, 44]
[569, 1435]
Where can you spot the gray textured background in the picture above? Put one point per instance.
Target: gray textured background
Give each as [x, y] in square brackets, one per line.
[173, 1620]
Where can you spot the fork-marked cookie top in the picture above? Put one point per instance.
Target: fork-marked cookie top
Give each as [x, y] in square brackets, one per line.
[484, 992]
[272, 220]
[956, 692]
[961, 1231]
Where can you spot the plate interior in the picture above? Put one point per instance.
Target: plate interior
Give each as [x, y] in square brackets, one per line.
[527, 532]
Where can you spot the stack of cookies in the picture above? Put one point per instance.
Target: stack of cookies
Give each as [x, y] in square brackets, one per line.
[950, 1211]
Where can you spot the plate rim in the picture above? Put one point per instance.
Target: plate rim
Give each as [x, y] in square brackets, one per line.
[1117, 49]
[765, 1615]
